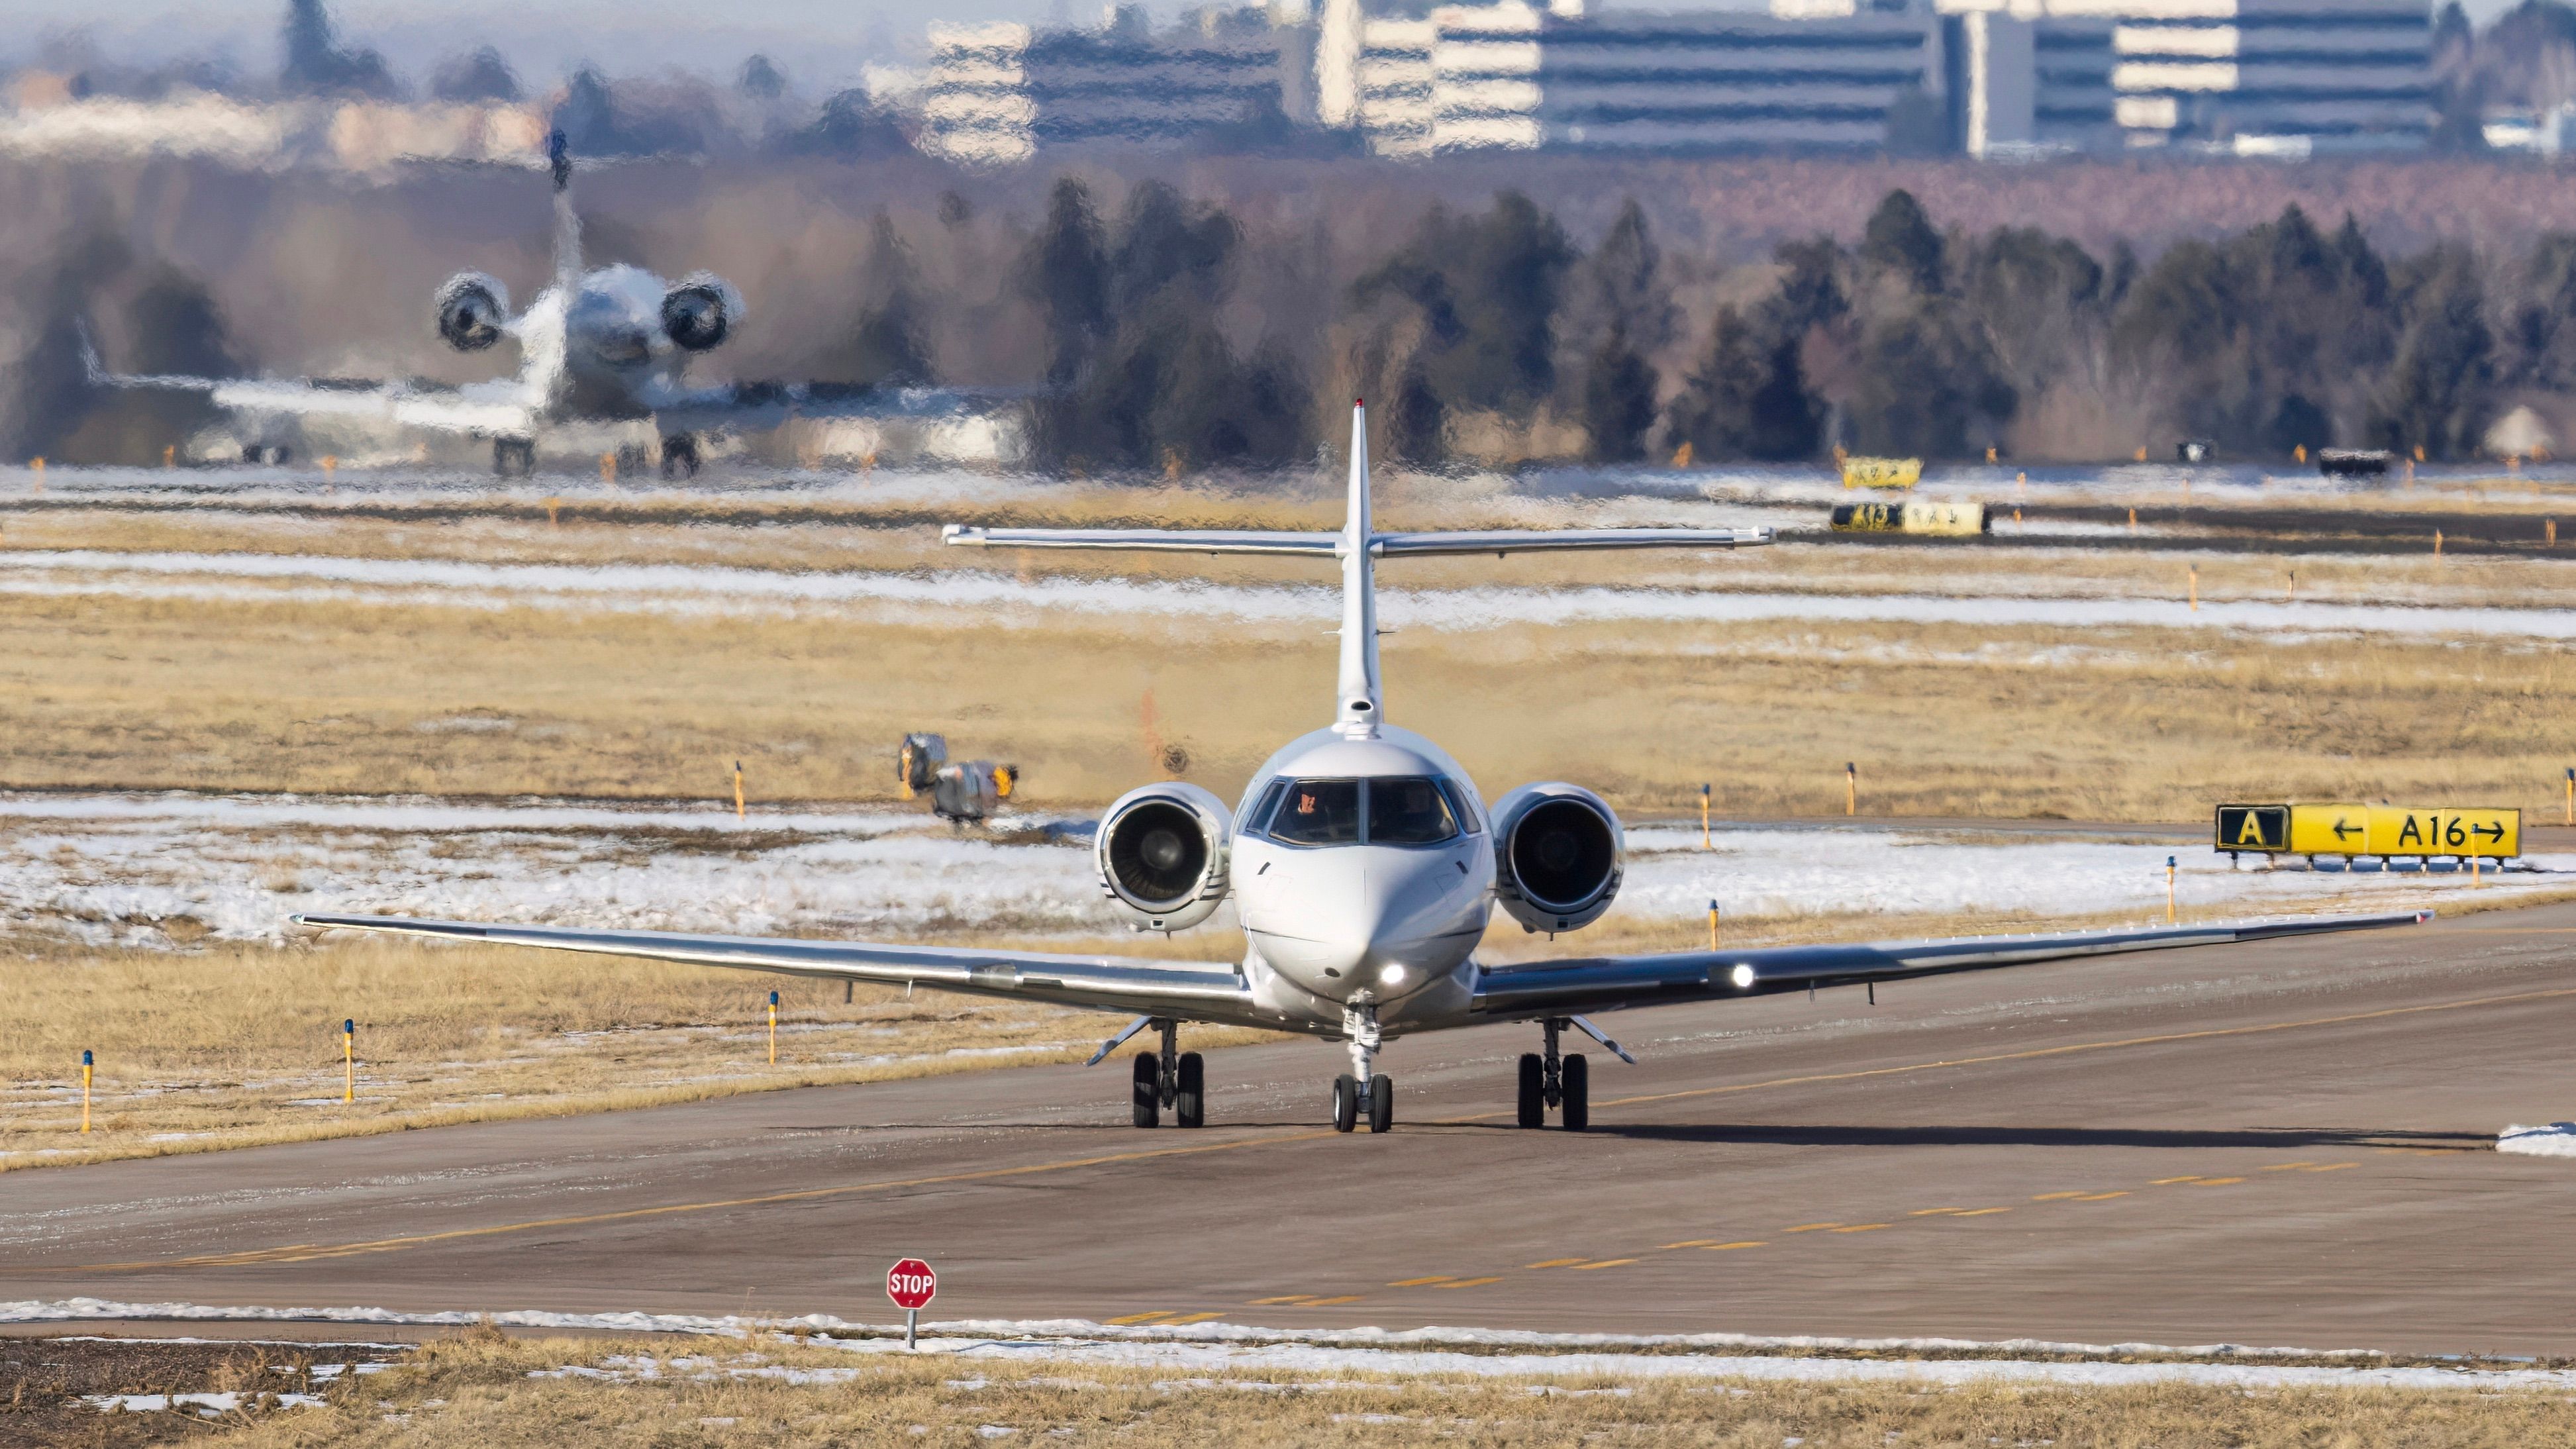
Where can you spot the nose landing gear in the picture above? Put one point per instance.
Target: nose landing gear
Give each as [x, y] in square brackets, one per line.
[1548, 1080]
[1361, 1089]
[1171, 1078]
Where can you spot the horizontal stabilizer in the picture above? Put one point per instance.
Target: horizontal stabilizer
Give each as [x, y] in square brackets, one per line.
[1329, 545]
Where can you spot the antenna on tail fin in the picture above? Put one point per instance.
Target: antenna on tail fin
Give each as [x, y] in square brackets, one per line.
[567, 224]
[1356, 712]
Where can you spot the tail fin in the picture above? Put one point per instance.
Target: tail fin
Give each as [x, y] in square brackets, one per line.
[1358, 544]
[567, 223]
[1356, 712]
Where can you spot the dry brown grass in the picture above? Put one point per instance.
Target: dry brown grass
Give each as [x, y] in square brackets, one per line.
[238, 1045]
[2136, 724]
[477, 1390]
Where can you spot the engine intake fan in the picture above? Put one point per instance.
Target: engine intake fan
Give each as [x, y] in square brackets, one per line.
[1559, 855]
[701, 312]
[1163, 852]
[473, 311]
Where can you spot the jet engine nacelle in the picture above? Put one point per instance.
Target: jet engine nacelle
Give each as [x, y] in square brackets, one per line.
[1558, 856]
[701, 312]
[1162, 852]
[473, 311]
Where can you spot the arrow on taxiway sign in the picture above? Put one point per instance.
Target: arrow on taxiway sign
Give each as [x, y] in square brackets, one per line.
[2344, 828]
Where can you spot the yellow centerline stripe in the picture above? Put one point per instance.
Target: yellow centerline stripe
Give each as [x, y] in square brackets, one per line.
[306, 1251]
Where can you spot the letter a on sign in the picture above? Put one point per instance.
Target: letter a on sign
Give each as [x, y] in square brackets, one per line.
[2253, 827]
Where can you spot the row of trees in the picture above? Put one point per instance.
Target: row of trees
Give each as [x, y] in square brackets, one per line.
[1164, 332]
[1911, 341]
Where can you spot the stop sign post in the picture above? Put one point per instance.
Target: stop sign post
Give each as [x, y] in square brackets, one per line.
[911, 1284]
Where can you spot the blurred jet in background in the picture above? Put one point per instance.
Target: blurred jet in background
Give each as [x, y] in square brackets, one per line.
[601, 350]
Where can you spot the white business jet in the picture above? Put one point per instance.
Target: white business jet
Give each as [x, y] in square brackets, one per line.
[601, 349]
[1364, 866]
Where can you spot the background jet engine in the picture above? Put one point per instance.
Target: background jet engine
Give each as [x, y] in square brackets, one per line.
[473, 311]
[701, 311]
[1558, 856]
[1162, 853]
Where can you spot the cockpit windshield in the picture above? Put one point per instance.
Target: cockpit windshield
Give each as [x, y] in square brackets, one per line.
[1319, 812]
[1410, 810]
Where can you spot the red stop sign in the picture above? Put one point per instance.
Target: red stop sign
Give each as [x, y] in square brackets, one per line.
[911, 1284]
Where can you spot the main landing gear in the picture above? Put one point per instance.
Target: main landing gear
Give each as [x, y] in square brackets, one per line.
[514, 457]
[1174, 1079]
[1360, 1090]
[680, 456]
[1548, 1080]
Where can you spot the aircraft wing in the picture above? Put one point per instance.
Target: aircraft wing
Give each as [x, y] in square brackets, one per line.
[1609, 983]
[1200, 991]
[493, 410]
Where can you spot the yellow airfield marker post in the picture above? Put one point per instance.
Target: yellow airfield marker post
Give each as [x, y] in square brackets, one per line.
[2195, 587]
[1712, 925]
[773, 1028]
[86, 1063]
[2571, 794]
[738, 815]
[1703, 814]
[2170, 917]
[1851, 787]
[349, 1059]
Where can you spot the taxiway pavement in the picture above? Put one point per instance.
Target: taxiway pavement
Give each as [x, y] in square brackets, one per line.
[2284, 1143]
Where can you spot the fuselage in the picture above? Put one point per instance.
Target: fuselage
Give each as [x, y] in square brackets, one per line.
[596, 350]
[1363, 873]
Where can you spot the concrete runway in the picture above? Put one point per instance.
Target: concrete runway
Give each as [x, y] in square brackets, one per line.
[2285, 1143]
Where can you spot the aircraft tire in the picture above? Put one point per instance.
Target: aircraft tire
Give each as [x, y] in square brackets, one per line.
[1346, 1102]
[1533, 1090]
[1381, 1103]
[1148, 1095]
[1189, 1103]
[680, 456]
[1577, 1112]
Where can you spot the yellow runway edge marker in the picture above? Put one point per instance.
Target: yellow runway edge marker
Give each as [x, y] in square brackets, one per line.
[349, 1059]
[86, 1061]
[773, 1028]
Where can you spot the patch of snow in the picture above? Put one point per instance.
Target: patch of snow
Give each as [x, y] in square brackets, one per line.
[2556, 1139]
[1509, 1353]
[700, 590]
[116, 868]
